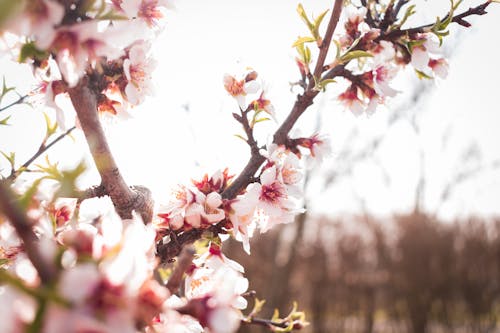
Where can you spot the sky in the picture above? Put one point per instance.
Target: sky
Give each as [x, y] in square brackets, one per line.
[186, 129]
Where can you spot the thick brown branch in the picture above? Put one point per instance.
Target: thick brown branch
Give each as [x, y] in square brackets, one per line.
[96, 191]
[183, 263]
[124, 198]
[8, 207]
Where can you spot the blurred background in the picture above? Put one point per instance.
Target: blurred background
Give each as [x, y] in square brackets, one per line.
[402, 225]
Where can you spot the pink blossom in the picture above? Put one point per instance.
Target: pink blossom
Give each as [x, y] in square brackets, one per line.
[439, 67]
[38, 20]
[215, 297]
[138, 68]
[240, 88]
[382, 76]
[80, 44]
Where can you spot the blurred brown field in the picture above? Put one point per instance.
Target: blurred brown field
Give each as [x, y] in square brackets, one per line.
[409, 273]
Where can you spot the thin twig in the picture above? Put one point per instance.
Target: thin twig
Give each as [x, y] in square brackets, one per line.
[20, 100]
[264, 322]
[459, 19]
[42, 149]
[183, 263]
[398, 7]
[9, 207]
[325, 44]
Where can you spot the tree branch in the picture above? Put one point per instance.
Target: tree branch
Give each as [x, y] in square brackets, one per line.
[42, 149]
[8, 206]
[459, 19]
[125, 199]
[171, 249]
[183, 263]
[20, 100]
[325, 44]
[92, 192]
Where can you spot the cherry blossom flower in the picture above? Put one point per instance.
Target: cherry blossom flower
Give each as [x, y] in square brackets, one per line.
[170, 320]
[149, 11]
[18, 310]
[38, 19]
[421, 53]
[138, 68]
[382, 75]
[351, 101]
[215, 297]
[240, 88]
[80, 44]
[439, 67]
[216, 183]
[318, 145]
[192, 208]
[263, 104]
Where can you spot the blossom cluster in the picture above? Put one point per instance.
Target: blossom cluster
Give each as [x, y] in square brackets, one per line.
[108, 41]
[273, 199]
[373, 59]
[106, 280]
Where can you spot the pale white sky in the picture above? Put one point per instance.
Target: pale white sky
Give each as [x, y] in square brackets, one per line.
[164, 144]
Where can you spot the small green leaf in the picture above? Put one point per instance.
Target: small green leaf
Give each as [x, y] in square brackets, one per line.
[241, 137]
[4, 121]
[422, 75]
[261, 120]
[11, 157]
[409, 12]
[276, 315]
[319, 19]
[50, 127]
[354, 55]
[321, 86]
[259, 304]
[112, 16]
[27, 196]
[302, 40]
[30, 51]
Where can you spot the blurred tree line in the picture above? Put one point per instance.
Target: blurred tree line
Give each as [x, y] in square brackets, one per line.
[412, 273]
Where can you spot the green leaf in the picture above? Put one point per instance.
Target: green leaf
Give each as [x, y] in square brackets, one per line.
[11, 157]
[303, 15]
[30, 51]
[241, 137]
[112, 16]
[354, 55]
[50, 127]
[261, 120]
[409, 12]
[302, 40]
[276, 315]
[422, 75]
[27, 196]
[4, 121]
[319, 19]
